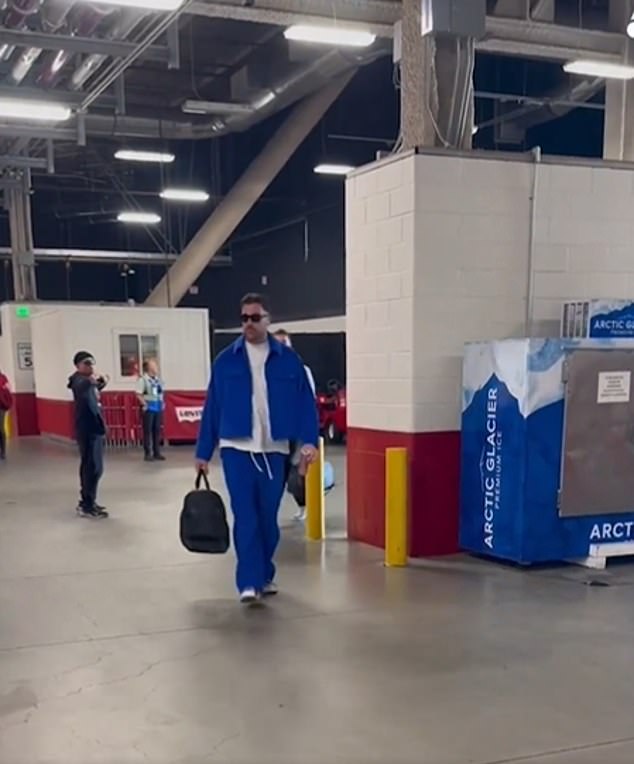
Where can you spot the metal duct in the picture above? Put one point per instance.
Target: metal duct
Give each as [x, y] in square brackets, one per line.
[127, 21]
[85, 23]
[284, 93]
[53, 16]
[15, 18]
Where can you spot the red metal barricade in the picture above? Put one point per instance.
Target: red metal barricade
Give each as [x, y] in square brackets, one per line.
[122, 415]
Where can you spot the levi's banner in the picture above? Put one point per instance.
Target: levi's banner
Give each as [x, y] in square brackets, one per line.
[183, 412]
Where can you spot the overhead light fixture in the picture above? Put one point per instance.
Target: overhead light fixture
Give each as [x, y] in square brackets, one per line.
[141, 218]
[264, 100]
[130, 155]
[605, 69]
[333, 169]
[630, 27]
[184, 195]
[330, 35]
[42, 111]
[151, 5]
[475, 130]
[192, 106]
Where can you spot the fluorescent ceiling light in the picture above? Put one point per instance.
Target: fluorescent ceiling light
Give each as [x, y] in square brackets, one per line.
[152, 5]
[142, 218]
[474, 130]
[604, 69]
[330, 35]
[264, 100]
[630, 27]
[333, 169]
[192, 106]
[184, 195]
[130, 155]
[42, 111]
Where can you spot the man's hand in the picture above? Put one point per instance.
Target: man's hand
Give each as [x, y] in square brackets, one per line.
[309, 453]
[202, 466]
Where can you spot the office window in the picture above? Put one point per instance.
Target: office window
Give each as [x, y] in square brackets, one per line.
[129, 355]
[135, 350]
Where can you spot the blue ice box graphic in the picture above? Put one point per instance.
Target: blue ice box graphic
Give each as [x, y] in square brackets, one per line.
[513, 433]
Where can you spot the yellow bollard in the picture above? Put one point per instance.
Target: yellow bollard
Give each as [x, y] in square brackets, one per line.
[7, 424]
[396, 507]
[315, 498]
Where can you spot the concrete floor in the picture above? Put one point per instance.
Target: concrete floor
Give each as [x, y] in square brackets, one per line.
[118, 647]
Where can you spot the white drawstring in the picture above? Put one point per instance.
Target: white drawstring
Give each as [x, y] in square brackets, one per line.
[257, 466]
[268, 467]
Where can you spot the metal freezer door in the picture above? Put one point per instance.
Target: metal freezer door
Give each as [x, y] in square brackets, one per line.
[597, 471]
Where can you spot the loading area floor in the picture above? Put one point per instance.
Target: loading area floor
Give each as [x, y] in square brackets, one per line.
[118, 647]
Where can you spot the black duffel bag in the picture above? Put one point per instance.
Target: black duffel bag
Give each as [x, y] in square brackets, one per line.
[203, 522]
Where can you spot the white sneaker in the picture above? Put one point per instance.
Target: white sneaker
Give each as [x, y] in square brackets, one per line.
[248, 596]
[269, 589]
[299, 516]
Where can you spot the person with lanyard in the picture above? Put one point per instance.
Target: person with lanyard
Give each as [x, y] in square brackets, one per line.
[259, 401]
[150, 392]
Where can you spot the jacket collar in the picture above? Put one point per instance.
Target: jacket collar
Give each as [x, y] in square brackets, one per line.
[274, 345]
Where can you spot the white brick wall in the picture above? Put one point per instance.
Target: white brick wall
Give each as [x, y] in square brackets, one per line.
[379, 276]
[438, 249]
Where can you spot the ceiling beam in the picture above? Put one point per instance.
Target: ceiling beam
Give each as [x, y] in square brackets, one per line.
[533, 39]
[507, 36]
[286, 12]
[115, 48]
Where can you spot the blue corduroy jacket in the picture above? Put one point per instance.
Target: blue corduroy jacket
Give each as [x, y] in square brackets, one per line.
[228, 412]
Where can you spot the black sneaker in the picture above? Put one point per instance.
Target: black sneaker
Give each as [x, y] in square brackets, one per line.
[159, 458]
[93, 513]
[148, 458]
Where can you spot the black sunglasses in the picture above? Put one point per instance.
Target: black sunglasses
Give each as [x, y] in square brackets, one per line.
[255, 318]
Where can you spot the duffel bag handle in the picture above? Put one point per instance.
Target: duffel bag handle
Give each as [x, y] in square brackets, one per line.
[202, 476]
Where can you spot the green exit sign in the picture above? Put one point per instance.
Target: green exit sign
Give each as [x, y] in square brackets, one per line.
[23, 311]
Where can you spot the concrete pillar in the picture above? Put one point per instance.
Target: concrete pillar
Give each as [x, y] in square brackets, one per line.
[419, 105]
[245, 193]
[17, 201]
[436, 86]
[618, 135]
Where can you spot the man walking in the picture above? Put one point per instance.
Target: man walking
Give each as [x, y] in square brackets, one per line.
[258, 401]
[90, 430]
[150, 392]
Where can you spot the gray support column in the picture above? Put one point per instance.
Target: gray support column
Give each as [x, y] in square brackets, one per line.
[418, 81]
[436, 85]
[618, 134]
[246, 192]
[17, 200]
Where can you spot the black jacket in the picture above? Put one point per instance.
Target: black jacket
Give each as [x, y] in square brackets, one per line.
[88, 417]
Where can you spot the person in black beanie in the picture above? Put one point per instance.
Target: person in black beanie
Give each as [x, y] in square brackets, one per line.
[90, 430]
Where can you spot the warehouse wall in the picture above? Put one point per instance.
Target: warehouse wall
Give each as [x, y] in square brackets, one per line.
[438, 255]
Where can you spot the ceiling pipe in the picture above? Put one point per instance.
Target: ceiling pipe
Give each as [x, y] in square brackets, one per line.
[122, 27]
[282, 94]
[52, 16]
[557, 104]
[84, 24]
[15, 18]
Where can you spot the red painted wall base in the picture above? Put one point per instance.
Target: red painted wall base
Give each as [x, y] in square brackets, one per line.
[56, 418]
[24, 414]
[434, 468]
